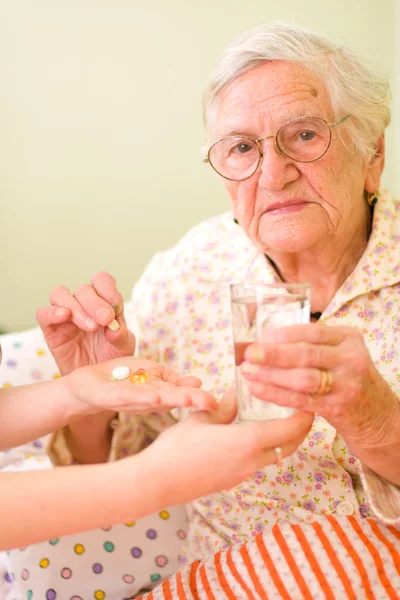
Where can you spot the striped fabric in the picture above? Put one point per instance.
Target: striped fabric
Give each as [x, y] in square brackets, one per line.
[332, 558]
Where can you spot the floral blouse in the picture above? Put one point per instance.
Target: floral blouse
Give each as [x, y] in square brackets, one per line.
[180, 313]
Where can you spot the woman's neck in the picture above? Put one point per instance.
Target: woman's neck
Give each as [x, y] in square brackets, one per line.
[325, 268]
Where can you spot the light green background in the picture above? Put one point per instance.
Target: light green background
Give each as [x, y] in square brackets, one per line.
[100, 127]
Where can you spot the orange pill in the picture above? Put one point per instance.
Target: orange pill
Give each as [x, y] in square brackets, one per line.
[139, 376]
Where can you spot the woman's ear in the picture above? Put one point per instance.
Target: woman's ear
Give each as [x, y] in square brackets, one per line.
[375, 167]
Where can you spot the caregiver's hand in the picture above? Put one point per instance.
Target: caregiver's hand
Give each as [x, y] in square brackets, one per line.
[206, 452]
[76, 329]
[287, 367]
[165, 389]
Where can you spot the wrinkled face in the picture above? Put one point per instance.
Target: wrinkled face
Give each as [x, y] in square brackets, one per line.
[286, 205]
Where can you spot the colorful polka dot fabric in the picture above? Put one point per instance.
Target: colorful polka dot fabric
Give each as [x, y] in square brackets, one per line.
[110, 564]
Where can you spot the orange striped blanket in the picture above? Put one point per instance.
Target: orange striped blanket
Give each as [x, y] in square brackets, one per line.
[332, 558]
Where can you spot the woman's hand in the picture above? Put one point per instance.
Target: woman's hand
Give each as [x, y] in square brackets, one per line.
[75, 326]
[286, 367]
[93, 388]
[206, 452]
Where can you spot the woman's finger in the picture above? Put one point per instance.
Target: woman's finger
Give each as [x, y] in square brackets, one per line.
[131, 396]
[62, 297]
[97, 308]
[288, 356]
[47, 316]
[306, 380]
[277, 433]
[314, 333]
[189, 381]
[106, 287]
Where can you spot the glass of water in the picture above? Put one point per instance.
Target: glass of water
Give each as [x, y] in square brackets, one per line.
[255, 307]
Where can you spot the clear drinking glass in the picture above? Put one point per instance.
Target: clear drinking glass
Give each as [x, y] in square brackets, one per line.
[254, 308]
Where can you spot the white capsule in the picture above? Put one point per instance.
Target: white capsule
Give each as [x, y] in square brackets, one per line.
[121, 373]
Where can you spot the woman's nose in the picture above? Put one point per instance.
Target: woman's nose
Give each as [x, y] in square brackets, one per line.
[276, 169]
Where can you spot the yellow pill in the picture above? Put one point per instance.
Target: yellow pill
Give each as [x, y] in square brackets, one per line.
[139, 376]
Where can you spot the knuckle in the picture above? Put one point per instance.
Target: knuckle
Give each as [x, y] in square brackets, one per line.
[82, 289]
[308, 381]
[353, 390]
[60, 290]
[317, 333]
[103, 276]
[359, 364]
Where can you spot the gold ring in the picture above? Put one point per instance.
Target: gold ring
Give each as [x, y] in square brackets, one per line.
[326, 382]
[278, 454]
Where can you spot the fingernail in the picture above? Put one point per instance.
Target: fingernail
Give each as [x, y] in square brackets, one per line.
[60, 312]
[114, 325]
[248, 368]
[117, 309]
[90, 324]
[255, 354]
[103, 313]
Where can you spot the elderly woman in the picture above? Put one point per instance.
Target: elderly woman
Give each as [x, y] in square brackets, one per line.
[295, 129]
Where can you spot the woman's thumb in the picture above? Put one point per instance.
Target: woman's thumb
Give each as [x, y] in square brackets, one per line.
[227, 408]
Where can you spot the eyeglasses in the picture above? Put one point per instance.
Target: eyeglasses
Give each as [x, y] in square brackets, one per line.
[303, 139]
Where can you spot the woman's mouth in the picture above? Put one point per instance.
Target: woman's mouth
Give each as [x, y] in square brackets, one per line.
[286, 207]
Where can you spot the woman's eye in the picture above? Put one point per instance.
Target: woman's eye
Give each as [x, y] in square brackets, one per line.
[243, 148]
[306, 136]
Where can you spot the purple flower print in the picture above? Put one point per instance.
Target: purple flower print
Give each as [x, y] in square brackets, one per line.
[189, 298]
[209, 246]
[171, 307]
[319, 477]
[327, 464]
[205, 348]
[377, 334]
[222, 324]
[169, 354]
[214, 298]
[287, 477]
[318, 435]
[309, 505]
[390, 355]
[380, 249]
[212, 368]
[199, 323]
[364, 509]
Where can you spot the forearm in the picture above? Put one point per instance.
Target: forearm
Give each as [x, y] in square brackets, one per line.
[31, 411]
[89, 439]
[75, 499]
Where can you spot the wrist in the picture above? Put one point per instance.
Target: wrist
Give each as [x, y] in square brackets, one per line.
[141, 472]
[71, 406]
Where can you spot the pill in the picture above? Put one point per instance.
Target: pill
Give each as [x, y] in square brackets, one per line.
[139, 376]
[120, 373]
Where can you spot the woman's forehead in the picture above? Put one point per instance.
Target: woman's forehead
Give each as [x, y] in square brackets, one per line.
[276, 89]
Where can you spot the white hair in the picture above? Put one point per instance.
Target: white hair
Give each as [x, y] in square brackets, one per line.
[354, 87]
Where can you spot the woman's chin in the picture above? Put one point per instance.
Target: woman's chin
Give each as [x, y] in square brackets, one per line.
[291, 242]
